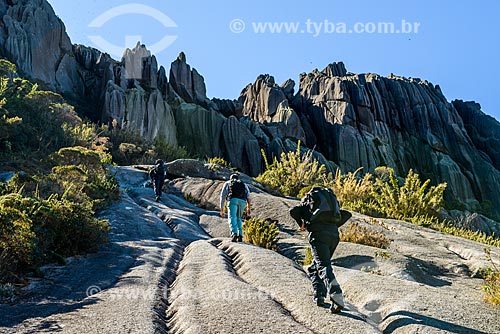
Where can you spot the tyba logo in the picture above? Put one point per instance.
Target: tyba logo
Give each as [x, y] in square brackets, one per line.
[129, 9]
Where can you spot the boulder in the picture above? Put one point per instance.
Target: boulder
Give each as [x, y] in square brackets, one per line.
[474, 222]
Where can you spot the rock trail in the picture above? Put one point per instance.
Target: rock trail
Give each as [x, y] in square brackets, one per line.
[169, 268]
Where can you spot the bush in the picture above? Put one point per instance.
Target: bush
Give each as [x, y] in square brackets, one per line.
[354, 193]
[17, 241]
[477, 236]
[292, 172]
[261, 232]
[491, 276]
[34, 231]
[362, 235]
[219, 162]
[128, 147]
[413, 199]
[69, 228]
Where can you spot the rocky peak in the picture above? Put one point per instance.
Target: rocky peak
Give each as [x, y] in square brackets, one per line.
[261, 99]
[187, 83]
[35, 39]
[336, 69]
[140, 65]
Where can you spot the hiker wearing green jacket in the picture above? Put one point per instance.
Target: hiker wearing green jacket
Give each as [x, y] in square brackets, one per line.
[319, 214]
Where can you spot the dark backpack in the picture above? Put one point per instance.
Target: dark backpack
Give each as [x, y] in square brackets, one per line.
[323, 206]
[237, 189]
[158, 171]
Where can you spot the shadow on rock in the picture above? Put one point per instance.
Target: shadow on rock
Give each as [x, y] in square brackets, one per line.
[355, 262]
[425, 272]
[410, 318]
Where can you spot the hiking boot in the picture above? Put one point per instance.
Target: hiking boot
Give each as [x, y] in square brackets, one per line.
[157, 199]
[234, 238]
[320, 301]
[240, 238]
[337, 303]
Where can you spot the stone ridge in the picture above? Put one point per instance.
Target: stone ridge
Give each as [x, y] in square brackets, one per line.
[351, 120]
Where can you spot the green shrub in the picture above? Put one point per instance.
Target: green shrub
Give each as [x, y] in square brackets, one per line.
[354, 193]
[168, 152]
[69, 228]
[219, 162]
[413, 199]
[491, 276]
[33, 231]
[17, 241]
[261, 232]
[477, 236]
[128, 147]
[292, 172]
[362, 235]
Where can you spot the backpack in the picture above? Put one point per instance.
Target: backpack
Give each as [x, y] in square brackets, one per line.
[158, 170]
[237, 189]
[323, 206]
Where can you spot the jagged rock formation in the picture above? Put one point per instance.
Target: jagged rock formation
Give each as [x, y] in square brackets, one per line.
[368, 120]
[352, 120]
[35, 39]
[483, 130]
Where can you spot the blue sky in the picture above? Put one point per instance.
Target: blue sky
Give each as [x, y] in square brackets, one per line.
[456, 44]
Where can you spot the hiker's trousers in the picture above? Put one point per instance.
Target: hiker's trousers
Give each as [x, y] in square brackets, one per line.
[323, 244]
[236, 209]
[158, 185]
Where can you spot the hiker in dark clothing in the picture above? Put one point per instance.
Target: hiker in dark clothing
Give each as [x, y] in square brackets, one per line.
[237, 194]
[157, 175]
[319, 214]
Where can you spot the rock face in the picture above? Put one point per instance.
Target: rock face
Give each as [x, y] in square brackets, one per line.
[189, 84]
[367, 120]
[483, 130]
[35, 39]
[351, 120]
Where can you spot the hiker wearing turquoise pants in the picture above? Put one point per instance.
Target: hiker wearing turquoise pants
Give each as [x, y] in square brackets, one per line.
[236, 193]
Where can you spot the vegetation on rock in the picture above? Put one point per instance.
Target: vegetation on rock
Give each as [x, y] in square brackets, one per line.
[362, 235]
[491, 276]
[292, 172]
[261, 232]
[47, 210]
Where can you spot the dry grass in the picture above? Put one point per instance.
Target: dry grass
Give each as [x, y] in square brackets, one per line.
[362, 235]
[491, 276]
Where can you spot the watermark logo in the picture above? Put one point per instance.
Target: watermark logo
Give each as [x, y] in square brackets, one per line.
[92, 290]
[237, 26]
[325, 27]
[128, 9]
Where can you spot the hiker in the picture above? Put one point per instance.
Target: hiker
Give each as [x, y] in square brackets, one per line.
[157, 175]
[236, 193]
[319, 214]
